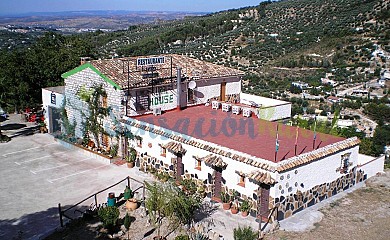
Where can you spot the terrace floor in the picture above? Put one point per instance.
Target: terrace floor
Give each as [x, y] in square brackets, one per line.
[251, 135]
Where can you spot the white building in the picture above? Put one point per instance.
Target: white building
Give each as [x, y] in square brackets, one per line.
[327, 81]
[52, 99]
[196, 123]
[301, 85]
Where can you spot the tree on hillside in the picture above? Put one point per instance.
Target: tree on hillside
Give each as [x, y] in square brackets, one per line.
[381, 139]
[25, 72]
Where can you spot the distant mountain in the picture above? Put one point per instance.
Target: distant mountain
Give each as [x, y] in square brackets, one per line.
[95, 13]
[82, 20]
[275, 43]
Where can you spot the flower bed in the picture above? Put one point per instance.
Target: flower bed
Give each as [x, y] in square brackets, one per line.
[86, 151]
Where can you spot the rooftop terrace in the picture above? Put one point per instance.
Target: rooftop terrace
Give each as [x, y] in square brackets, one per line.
[251, 135]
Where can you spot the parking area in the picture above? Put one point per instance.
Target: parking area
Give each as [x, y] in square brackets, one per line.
[37, 173]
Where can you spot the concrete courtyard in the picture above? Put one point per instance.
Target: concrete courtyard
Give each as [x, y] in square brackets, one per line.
[37, 173]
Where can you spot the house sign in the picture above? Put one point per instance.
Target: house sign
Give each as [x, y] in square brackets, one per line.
[53, 98]
[161, 99]
[150, 61]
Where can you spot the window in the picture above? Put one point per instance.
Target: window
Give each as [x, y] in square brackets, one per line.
[191, 96]
[163, 152]
[105, 140]
[198, 164]
[241, 181]
[139, 142]
[345, 163]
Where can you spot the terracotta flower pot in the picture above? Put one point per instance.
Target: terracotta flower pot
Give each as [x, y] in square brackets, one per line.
[234, 210]
[226, 206]
[244, 214]
[131, 204]
[130, 164]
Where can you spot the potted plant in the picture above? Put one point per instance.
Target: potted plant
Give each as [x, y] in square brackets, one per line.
[234, 208]
[226, 200]
[127, 223]
[42, 127]
[130, 159]
[114, 150]
[245, 207]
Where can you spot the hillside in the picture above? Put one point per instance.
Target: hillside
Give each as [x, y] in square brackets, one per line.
[312, 35]
[275, 43]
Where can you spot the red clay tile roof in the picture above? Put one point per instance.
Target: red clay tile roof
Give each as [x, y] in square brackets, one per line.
[174, 147]
[258, 177]
[212, 160]
[116, 69]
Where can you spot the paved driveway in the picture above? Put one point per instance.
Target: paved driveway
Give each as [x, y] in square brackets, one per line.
[37, 173]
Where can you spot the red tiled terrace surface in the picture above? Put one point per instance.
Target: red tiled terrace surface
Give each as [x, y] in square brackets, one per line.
[253, 136]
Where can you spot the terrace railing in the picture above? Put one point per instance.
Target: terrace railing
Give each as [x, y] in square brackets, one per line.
[79, 209]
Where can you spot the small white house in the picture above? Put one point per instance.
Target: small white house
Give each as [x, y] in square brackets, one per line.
[301, 85]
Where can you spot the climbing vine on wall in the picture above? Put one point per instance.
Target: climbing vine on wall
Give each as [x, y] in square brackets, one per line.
[69, 128]
[96, 113]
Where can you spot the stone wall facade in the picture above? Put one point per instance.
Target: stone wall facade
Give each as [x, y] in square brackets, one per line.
[154, 165]
[296, 202]
[78, 110]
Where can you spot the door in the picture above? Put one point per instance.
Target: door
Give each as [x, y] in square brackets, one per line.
[124, 146]
[191, 96]
[54, 120]
[179, 167]
[105, 141]
[263, 206]
[223, 91]
[217, 182]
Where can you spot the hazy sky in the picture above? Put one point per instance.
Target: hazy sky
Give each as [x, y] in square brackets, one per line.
[25, 6]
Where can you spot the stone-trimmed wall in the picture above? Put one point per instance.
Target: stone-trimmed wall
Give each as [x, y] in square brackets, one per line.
[146, 163]
[296, 202]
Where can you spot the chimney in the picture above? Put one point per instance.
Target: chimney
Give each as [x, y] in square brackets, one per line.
[84, 60]
[178, 88]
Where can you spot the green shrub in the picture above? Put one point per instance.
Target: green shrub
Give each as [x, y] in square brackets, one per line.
[245, 206]
[189, 186]
[245, 233]
[114, 150]
[182, 237]
[132, 155]
[200, 236]
[109, 216]
[225, 197]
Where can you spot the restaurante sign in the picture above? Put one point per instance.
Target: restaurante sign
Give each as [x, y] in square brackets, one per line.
[150, 61]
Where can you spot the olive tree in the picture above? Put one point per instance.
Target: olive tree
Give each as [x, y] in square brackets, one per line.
[168, 202]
